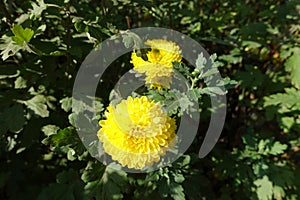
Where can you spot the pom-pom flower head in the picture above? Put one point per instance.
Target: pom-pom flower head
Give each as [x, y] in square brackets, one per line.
[158, 67]
[137, 132]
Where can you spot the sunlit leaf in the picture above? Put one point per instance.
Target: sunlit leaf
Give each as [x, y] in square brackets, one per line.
[22, 35]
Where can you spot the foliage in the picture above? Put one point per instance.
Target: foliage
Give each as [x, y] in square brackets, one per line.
[44, 42]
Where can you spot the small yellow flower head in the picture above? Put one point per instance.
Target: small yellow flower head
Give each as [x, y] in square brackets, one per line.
[158, 68]
[137, 132]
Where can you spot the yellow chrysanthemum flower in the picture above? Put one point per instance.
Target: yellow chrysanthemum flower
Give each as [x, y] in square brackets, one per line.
[137, 132]
[158, 68]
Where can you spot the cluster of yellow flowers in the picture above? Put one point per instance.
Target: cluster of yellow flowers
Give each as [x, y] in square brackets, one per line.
[137, 132]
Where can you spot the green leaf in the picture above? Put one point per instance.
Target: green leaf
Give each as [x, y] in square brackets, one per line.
[20, 83]
[283, 175]
[178, 178]
[13, 118]
[50, 129]
[70, 154]
[21, 35]
[251, 44]
[40, 30]
[234, 57]
[131, 39]
[176, 191]
[37, 10]
[227, 83]
[210, 72]
[194, 94]
[216, 90]
[289, 99]
[128, 41]
[8, 47]
[200, 62]
[63, 137]
[175, 100]
[278, 192]
[278, 148]
[292, 65]
[287, 123]
[66, 103]
[38, 105]
[110, 186]
[72, 119]
[164, 187]
[264, 188]
[97, 105]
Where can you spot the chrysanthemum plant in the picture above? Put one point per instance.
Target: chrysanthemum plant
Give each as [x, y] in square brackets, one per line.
[139, 131]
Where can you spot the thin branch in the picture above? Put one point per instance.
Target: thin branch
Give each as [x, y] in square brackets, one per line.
[103, 7]
[128, 20]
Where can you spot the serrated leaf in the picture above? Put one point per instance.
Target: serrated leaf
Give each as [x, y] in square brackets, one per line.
[210, 72]
[227, 83]
[38, 105]
[176, 100]
[66, 103]
[292, 65]
[288, 99]
[194, 94]
[8, 47]
[264, 188]
[200, 62]
[37, 8]
[278, 148]
[212, 59]
[21, 35]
